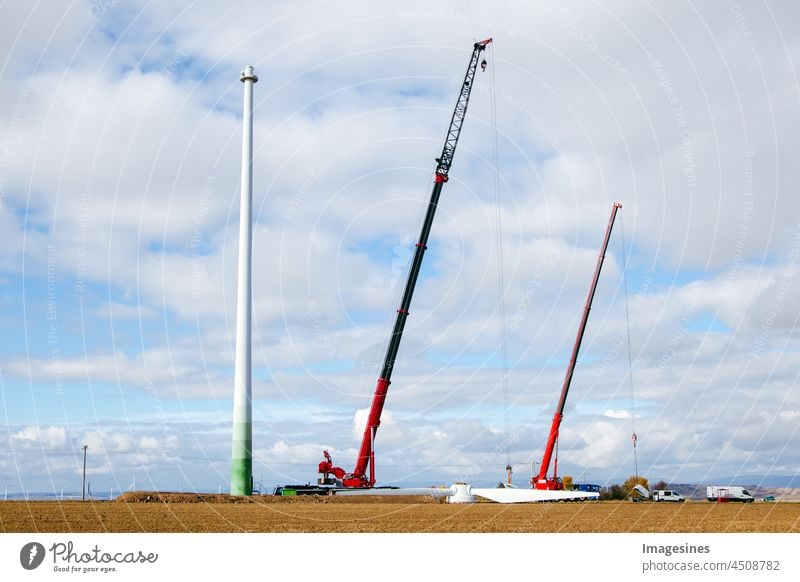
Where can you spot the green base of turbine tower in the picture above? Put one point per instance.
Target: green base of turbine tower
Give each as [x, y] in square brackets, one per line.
[241, 476]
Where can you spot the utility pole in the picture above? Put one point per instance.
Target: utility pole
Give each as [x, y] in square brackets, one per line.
[242, 448]
[83, 484]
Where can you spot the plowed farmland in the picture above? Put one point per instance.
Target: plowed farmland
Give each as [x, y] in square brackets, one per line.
[212, 513]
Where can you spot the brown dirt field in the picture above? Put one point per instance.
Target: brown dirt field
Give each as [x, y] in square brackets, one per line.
[213, 513]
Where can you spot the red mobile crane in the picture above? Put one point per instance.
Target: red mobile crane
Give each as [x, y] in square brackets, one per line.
[542, 481]
[330, 474]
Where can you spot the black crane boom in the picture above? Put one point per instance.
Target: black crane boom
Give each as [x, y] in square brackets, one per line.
[366, 455]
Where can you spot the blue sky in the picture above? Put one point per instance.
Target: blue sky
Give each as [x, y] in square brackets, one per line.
[120, 129]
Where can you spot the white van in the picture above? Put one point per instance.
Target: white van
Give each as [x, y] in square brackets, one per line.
[728, 493]
[667, 495]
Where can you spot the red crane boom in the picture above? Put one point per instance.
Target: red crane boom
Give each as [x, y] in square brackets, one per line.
[329, 474]
[541, 481]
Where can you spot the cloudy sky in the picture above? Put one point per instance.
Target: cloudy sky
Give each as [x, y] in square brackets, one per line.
[120, 149]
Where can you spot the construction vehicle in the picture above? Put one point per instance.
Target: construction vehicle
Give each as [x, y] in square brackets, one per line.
[640, 493]
[722, 494]
[542, 481]
[329, 474]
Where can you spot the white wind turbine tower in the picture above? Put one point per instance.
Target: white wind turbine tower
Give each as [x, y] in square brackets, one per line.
[242, 447]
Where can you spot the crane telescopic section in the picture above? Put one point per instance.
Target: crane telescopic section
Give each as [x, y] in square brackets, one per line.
[329, 474]
[541, 481]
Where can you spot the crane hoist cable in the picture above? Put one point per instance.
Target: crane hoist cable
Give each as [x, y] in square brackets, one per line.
[625, 259]
[500, 267]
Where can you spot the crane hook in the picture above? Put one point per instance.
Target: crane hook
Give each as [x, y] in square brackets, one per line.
[483, 65]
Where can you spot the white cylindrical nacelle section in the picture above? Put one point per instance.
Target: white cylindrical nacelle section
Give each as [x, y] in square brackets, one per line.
[461, 493]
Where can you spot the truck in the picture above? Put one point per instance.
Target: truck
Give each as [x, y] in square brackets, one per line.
[668, 495]
[720, 493]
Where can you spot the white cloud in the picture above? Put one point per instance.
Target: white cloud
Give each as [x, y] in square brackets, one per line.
[618, 414]
[38, 437]
[148, 442]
